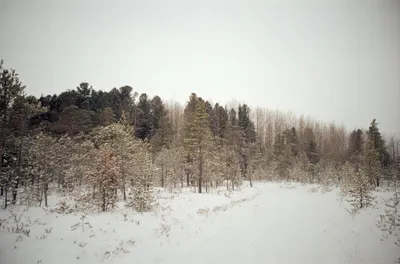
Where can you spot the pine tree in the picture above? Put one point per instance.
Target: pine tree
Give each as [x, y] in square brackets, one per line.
[42, 159]
[16, 152]
[73, 120]
[221, 121]
[372, 154]
[121, 139]
[141, 196]
[245, 123]
[310, 146]
[232, 168]
[389, 222]
[162, 133]
[105, 117]
[169, 163]
[197, 136]
[127, 104]
[359, 191]
[355, 147]
[104, 176]
[212, 119]
[247, 130]
[285, 152]
[10, 89]
[144, 126]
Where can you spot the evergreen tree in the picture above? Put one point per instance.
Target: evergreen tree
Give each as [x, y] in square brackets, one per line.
[84, 100]
[310, 146]
[105, 117]
[10, 89]
[128, 107]
[355, 147]
[197, 136]
[378, 143]
[42, 159]
[212, 119]
[162, 132]
[222, 120]
[247, 130]
[104, 176]
[73, 120]
[372, 155]
[233, 133]
[144, 127]
[124, 145]
[293, 141]
[141, 197]
[245, 124]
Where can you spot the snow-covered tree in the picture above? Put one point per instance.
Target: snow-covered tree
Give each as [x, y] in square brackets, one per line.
[371, 163]
[141, 196]
[328, 174]
[232, 173]
[299, 172]
[169, 163]
[390, 221]
[359, 190]
[121, 139]
[44, 165]
[197, 138]
[104, 177]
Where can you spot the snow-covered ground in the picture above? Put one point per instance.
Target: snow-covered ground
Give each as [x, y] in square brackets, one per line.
[269, 223]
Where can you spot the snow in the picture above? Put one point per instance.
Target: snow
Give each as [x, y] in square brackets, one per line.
[269, 223]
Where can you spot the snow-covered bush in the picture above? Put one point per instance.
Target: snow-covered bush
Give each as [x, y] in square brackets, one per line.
[389, 222]
[357, 188]
[141, 193]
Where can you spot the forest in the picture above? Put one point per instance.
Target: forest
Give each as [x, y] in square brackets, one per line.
[106, 146]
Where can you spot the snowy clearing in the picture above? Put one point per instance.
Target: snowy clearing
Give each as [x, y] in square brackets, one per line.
[269, 223]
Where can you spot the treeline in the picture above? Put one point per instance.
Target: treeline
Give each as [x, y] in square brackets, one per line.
[104, 145]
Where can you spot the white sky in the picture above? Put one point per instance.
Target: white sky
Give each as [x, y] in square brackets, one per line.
[332, 59]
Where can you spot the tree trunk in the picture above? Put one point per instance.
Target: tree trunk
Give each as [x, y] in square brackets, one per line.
[200, 169]
[249, 172]
[103, 192]
[181, 177]
[162, 174]
[5, 197]
[45, 190]
[41, 194]
[123, 188]
[14, 192]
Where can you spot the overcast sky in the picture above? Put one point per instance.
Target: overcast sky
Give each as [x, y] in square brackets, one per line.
[332, 59]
